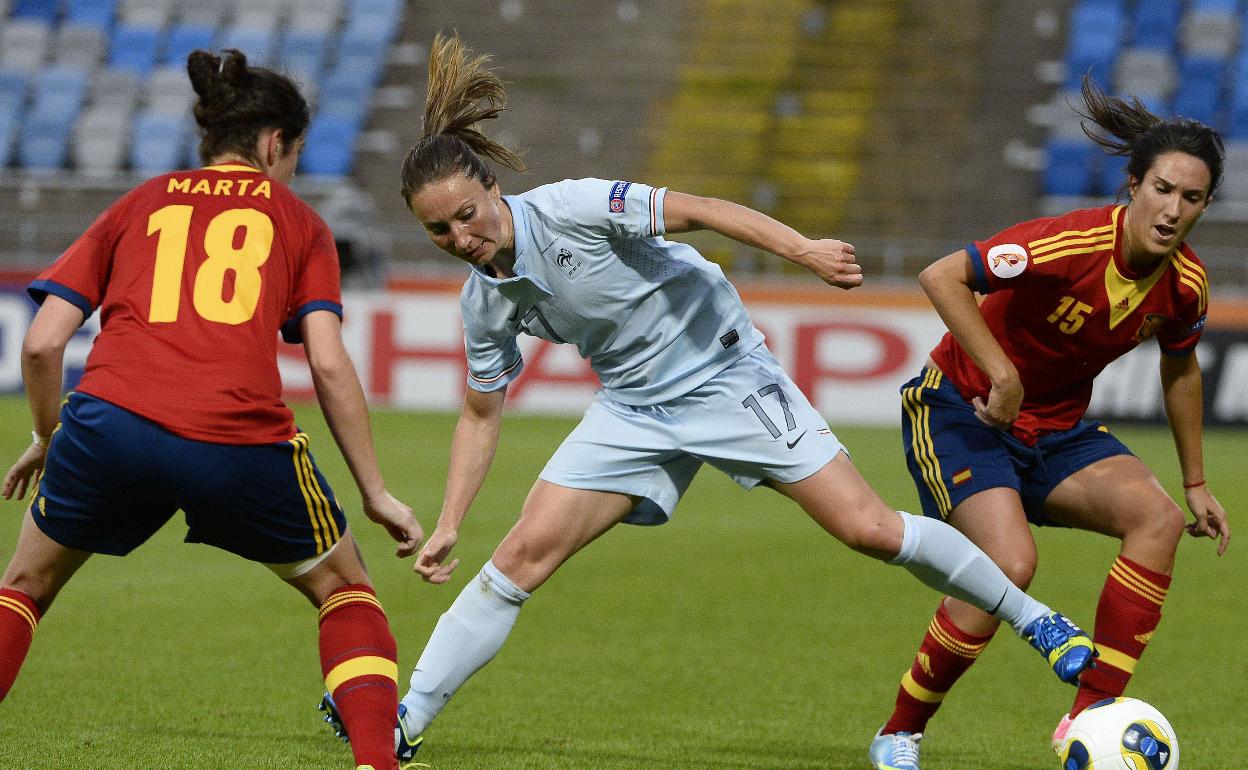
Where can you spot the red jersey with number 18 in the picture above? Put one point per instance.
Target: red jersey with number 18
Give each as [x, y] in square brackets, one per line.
[195, 273]
[1063, 304]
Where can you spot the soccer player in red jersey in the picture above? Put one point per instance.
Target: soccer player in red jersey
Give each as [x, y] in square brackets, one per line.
[194, 274]
[994, 427]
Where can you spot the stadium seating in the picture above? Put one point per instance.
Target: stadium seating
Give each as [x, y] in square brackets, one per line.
[24, 43]
[1181, 57]
[184, 38]
[69, 69]
[43, 10]
[326, 136]
[93, 13]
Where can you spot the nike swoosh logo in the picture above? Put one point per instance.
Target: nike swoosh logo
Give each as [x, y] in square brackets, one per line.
[793, 443]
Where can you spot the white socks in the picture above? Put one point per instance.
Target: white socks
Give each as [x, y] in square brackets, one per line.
[944, 559]
[467, 636]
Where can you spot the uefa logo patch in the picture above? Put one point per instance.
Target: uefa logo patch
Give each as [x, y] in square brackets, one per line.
[1007, 260]
[618, 192]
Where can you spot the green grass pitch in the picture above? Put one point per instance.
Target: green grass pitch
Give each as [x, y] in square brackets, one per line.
[737, 636]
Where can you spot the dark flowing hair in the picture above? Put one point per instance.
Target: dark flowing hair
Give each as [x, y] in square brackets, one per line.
[462, 92]
[236, 102]
[1128, 128]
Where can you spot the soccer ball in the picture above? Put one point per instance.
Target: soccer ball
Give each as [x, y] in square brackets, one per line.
[1120, 734]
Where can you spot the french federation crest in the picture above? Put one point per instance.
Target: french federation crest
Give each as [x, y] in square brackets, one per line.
[568, 262]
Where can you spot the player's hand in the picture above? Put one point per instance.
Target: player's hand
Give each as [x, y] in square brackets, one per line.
[833, 261]
[431, 563]
[1210, 517]
[1003, 404]
[397, 519]
[25, 472]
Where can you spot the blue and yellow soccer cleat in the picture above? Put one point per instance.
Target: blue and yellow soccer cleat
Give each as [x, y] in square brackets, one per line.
[405, 747]
[898, 751]
[1067, 648]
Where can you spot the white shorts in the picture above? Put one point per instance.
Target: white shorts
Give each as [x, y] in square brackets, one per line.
[750, 421]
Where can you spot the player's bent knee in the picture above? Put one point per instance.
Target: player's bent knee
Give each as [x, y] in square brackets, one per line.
[877, 533]
[1020, 568]
[1165, 525]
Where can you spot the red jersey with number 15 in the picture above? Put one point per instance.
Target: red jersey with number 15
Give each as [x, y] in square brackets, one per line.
[194, 273]
[1063, 304]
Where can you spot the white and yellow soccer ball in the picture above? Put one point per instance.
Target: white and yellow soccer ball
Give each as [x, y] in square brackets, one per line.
[1120, 734]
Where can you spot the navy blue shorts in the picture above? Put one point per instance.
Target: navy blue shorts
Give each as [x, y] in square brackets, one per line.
[952, 455]
[112, 478]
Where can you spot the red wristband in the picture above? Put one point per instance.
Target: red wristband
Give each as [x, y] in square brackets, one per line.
[1200, 483]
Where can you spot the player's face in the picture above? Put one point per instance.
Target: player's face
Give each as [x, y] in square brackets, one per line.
[283, 169]
[463, 218]
[1166, 204]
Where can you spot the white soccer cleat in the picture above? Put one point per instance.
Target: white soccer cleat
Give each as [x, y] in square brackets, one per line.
[898, 751]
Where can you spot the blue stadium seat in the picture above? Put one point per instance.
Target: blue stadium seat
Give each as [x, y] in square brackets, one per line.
[59, 92]
[380, 17]
[1199, 95]
[1156, 24]
[159, 143]
[1112, 174]
[1218, 6]
[42, 10]
[303, 53]
[257, 44]
[95, 13]
[58, 97]
[184, 38]
[44, 144]
[1070, 166]
[1095, 35]
[1237, 103]
[134, 48]
[330, 149]
[345, 94]
[362, 50]
[14, 85]
[9, 123]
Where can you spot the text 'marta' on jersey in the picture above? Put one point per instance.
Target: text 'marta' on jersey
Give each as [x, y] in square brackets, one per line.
[194, 274]
[1063, 304]
[653, 317]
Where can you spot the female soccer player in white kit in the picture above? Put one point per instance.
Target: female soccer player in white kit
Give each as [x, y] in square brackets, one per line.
[686, 380]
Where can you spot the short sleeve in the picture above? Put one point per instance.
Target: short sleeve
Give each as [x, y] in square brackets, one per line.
[1180, 339]
[80, 275]
[492, 354]
[1003, 261]
[613, 209]
[318, 284]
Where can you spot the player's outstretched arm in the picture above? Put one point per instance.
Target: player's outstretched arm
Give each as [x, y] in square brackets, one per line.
[43, 356]
[472, 452]
[947, 283]
[341, 397]
[1182, 392]
[832, 260]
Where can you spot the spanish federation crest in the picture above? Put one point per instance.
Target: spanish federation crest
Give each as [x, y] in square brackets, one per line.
[1148, 328]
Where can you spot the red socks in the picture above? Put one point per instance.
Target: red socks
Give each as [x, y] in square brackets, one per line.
[359, 659]
[945, 654]
[1127, 615]
[18, 618]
